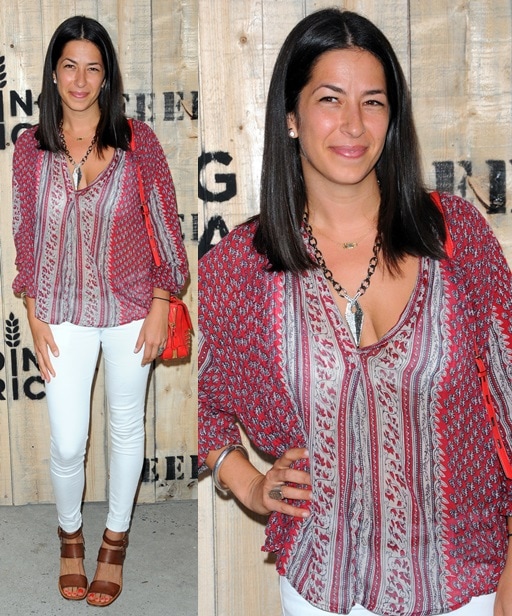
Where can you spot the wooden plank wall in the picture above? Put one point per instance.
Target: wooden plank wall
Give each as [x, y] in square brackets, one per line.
[157, 47]
[457, 57]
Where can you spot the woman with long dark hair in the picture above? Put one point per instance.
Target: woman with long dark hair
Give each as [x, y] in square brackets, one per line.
[339, 327]
[87, 274]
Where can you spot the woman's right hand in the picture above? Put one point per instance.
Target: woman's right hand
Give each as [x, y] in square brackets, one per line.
[44, 343]
[293, 484]
[252, 488]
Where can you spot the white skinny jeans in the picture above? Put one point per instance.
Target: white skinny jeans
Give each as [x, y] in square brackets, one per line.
[294, 605]
[69, 404]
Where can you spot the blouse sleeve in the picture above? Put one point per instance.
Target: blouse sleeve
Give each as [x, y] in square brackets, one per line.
[217, 423]
[499, 347]
[487, 285]
[26, 159]
[159, 190]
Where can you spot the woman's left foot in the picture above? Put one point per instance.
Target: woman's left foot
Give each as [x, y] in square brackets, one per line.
[108, 580]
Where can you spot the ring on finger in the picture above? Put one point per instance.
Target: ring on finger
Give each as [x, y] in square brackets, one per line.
[276, 493]
[161, 350]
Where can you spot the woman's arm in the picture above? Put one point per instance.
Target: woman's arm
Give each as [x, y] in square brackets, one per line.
[503, 603]
[252, 488]
[26, 171]
[44, 344]
[221, 406]
[154, 330]
[160, 194]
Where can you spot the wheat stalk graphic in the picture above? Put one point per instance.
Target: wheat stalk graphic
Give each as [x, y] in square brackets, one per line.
[12, 331]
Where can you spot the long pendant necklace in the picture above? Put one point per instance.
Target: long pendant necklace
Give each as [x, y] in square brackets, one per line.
[77, 173]
[354, 316]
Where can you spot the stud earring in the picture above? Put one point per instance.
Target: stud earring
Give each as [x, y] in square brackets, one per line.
[291, 133]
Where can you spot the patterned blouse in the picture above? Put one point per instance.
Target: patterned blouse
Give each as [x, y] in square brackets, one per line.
[84, 255]
[409, 497]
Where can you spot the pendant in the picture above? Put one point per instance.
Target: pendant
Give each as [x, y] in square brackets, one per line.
[77, 176]
[354, 317]
[349, 245]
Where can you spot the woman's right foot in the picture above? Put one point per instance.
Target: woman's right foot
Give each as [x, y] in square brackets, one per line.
[72, 580]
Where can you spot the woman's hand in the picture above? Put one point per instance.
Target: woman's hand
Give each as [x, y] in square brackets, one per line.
[44, 343]
[287, 481]
[154, 330]
[503, 602]
[252, 488]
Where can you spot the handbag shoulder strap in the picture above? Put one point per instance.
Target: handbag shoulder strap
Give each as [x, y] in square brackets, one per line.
[144, 205]
[501, 450]
[448, 244]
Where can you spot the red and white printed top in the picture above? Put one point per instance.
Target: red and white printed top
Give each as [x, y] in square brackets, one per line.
[409, 498]
[84, 255]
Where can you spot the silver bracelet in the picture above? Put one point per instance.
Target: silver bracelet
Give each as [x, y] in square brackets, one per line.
[215, 473]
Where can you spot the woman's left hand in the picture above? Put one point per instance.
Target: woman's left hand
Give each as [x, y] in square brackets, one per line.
[154, 331]
[503, 602]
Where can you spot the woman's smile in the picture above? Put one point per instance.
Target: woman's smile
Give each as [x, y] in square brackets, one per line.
[347, 151]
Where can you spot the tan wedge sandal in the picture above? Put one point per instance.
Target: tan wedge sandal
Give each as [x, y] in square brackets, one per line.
[111, 557]
[72, 550]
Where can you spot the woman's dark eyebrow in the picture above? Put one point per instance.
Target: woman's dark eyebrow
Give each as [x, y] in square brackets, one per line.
[339, 90]
[76, 62]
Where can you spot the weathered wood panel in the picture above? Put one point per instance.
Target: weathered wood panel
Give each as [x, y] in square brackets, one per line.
[457, 58]
[157, 46]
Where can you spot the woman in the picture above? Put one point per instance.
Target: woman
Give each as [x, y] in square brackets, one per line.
[86, 271]
[338, 327]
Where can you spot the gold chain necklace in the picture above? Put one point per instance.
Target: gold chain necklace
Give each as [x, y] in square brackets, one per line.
[77, 173]
[349, 245]
[354, 316]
